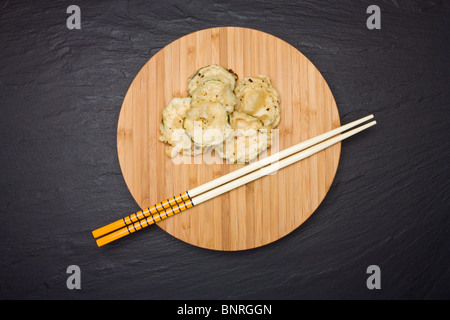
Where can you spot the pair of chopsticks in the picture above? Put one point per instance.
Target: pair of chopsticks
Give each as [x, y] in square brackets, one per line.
[230, 181]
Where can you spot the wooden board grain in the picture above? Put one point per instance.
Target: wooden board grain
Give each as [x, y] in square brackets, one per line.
[259, 212]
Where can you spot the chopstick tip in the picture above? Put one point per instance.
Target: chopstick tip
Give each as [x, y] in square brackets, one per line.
[95, 234]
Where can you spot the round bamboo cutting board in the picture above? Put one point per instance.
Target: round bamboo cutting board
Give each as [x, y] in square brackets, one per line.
[264, 210]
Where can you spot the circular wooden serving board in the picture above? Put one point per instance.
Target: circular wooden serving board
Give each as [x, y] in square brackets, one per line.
[264, 210]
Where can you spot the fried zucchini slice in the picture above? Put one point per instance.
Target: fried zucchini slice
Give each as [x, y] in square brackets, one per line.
[171, 128]
[172, 118]
[256, 96]
[249, 139]
[211, 72]
[215, 91]
[206, 123]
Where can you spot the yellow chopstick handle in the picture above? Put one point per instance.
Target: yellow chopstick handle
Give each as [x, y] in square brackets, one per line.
[132, 218]
[151, 218]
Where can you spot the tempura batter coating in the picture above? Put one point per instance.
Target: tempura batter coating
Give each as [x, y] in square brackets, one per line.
[211, 72]
[206, 123]
[256, 96]
[249, 139]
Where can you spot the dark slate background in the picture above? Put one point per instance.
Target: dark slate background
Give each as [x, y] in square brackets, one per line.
[60, 95]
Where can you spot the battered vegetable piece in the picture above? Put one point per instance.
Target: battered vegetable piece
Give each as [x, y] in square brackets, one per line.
[206, 123]
[211, 72]
[249, 139]
[172, 131]
[256, 96]
[215, 91]
[172, 118]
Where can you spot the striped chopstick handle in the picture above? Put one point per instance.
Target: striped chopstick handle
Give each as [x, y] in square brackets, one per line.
[160, 210]
[142, 219]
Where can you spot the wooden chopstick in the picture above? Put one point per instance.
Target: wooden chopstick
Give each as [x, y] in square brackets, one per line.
[216, 187]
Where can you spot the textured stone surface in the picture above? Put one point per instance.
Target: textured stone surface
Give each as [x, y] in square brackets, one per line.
[60, 95]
